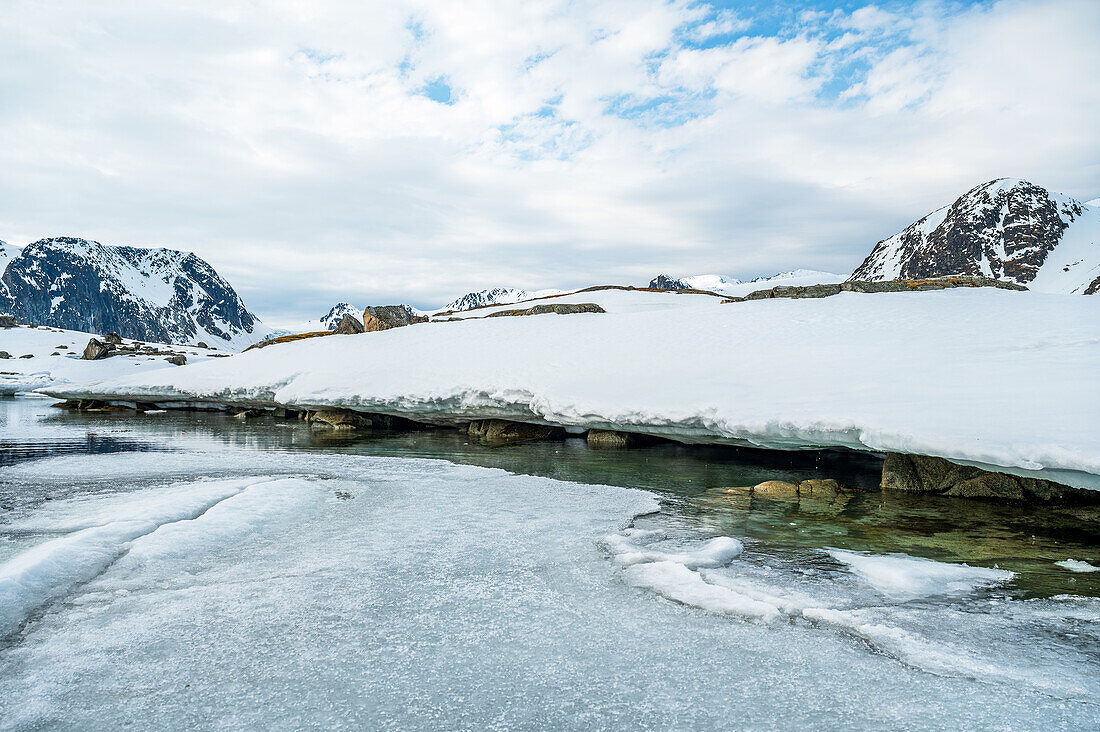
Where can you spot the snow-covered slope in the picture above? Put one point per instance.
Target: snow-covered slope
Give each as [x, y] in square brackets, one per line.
[7, 253]
[1014, 383]
[1008, 229]
[495, 296]
[1093, 202]
[55, 359]
[149, 294]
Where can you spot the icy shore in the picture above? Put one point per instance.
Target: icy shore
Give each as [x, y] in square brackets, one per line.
[999, 379]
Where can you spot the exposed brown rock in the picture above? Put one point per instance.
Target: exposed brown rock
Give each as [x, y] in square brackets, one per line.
[348, 325]
[338, 419]
[556, 308]
[97, 349]
[504, 432]
[7, 321]
[177, 360]
[284, 339]
[384, 317]
[610, 439]
[918, 285]
[924, 474]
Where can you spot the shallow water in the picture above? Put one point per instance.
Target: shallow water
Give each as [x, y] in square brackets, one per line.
[186, 569]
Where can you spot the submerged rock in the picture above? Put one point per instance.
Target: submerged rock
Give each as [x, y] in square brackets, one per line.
[503, 432]
[924, 474]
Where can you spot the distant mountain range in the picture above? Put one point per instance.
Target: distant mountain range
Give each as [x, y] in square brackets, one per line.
[1008, 229]
[496, 296]
[158, 295]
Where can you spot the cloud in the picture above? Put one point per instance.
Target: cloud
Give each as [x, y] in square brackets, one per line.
[411, 151]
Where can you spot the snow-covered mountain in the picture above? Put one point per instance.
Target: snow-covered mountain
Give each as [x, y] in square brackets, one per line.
[338, 311]
[1009, 229]
[709, 282]
[496, 296]
[7, 253]
[158, 295]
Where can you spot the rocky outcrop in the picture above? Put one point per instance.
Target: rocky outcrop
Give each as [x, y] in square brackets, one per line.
[610, 439]
[348, 325]
[384, 317]
[177, 360]
[157, 295]
[497, 432]
[1007, 229]
[7, 321]
[545, 308]
[97, 349]
[338, 419]
[924, 474]
[920, 285]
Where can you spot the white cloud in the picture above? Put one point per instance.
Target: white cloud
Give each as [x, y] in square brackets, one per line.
[291, 144]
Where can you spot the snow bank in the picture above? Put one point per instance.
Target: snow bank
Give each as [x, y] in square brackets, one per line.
[50, 365]
[998, 378]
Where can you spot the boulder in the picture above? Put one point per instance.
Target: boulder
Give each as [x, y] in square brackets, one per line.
[609, 439]
[818, 489]
[338, 419]
[557, 308]
[384, 317]
[7, 321]
[113, 338]
[504, 432]
[348, 325]
[27, 355]
[200, 344]
[5, 354]
[776, 489]
[924, 474]
[97, 349]
[177, 360]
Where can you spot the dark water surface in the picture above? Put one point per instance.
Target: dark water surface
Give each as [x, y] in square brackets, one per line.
[694, 482]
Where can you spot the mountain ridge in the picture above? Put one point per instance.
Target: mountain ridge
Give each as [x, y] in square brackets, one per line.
[1008, 229]
[150, 294]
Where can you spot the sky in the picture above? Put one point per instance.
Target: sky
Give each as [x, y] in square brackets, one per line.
[315, 151]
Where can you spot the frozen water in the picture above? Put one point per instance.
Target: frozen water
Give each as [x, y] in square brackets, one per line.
[905, 578]
[1076, 565]
[242, 589]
